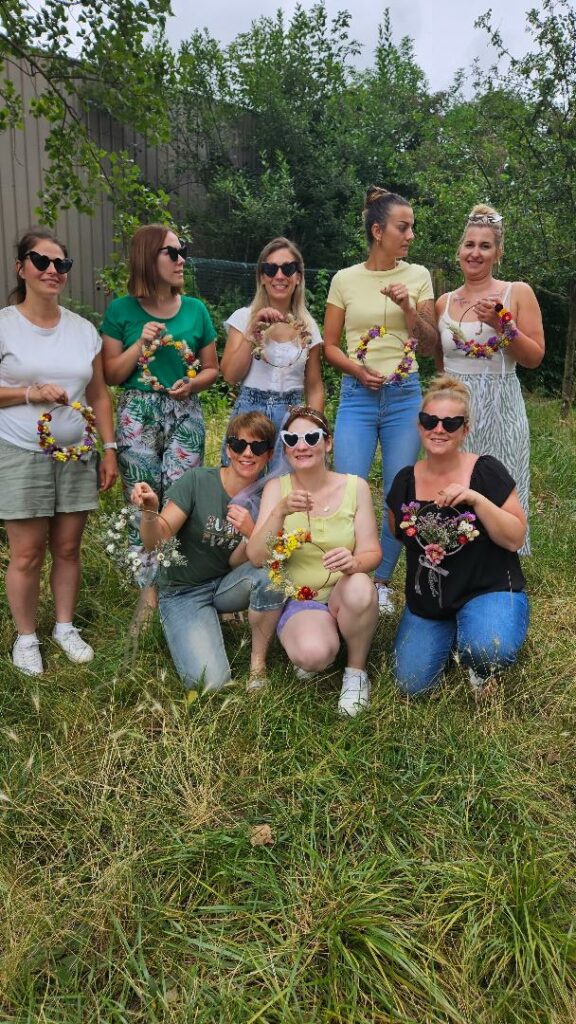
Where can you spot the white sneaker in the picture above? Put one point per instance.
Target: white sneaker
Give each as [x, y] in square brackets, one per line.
[256, 682]
[26, 656]
[385, 599]
[303, 675]
[74, 647]
[355, 692]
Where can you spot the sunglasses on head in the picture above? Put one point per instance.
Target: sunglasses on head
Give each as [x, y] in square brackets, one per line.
[240, 444]
[174, 252]
[61, 264]
[310, 438]
[288, 269]
[450, 423]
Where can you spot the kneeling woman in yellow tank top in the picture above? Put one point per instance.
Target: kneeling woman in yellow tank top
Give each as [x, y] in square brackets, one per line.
[323, 528]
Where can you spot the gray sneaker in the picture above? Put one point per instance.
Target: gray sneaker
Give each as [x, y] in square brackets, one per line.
[26, 656]
[385, 599]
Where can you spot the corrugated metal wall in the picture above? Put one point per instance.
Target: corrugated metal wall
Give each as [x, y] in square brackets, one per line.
[89, 239]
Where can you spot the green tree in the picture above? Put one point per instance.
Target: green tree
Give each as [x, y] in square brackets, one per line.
[539, 135]
[85, 54]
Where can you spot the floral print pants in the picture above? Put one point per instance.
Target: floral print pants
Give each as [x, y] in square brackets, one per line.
[158, 438]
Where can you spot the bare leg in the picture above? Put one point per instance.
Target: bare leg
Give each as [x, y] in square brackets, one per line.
[27, 539]
[66, 529]
[354, 603]
[310, 639]
[262, 626]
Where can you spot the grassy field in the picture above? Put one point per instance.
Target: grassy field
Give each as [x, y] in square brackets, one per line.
[421, 868]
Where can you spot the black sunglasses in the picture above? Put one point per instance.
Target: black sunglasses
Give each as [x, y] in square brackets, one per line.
[42, 262]
[288, 269]
[450, 423]
[174, 253]
[240, 444]
[310, 438]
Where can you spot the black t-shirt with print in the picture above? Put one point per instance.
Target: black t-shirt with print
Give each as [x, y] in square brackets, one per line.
[481, 567]
[206, 540]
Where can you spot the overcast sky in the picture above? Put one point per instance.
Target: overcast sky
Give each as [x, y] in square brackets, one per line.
[443, 30]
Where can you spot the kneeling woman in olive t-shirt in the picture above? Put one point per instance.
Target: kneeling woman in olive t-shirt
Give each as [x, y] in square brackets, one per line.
[216, 577]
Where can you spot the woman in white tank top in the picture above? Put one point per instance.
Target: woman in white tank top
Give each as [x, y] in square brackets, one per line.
[481, 344]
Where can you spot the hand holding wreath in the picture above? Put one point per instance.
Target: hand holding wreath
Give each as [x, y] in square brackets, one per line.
[399, 295]
[340, 560]
[45, 394]
[144, 497]
[457, 494]
[486, 312]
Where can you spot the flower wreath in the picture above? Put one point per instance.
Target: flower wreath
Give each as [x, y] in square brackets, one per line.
[404, 366]
[439, 537]
[261, 327]
[116, 541]
[71, 452]
[191, 363]
[280, 547]
[485, 349]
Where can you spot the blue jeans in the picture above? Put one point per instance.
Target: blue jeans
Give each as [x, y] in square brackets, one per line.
[189, 617]
[388, 416]
[486, 633]
[275, 405]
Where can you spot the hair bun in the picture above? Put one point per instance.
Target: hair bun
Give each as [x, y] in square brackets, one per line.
[374, 193]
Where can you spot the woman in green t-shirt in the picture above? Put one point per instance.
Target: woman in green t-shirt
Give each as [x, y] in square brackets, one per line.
[203, 508]
[160, 431]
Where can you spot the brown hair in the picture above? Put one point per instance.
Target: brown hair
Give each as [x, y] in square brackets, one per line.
[306, 413]
[26, 243]
[377, 205]
[450, 388]
[255, 423]
[479, 218]
[144, 278]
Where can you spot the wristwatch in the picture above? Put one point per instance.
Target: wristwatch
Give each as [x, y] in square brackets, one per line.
[110, 445]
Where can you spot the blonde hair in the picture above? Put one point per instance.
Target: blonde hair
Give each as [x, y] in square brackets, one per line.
[450, 388]
[297, 302]
[377, 205]
[143, 262]
[480, 217]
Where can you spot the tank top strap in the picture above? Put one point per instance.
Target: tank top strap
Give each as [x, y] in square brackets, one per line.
[447, 306]
[285, 485]
[350, 499]
[506, 296]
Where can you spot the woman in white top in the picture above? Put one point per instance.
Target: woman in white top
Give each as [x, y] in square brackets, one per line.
[287, 371]
[49, 359]
[486, 327]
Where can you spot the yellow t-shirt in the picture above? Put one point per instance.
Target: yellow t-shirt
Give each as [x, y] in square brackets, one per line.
[357, 291]
[336, 530]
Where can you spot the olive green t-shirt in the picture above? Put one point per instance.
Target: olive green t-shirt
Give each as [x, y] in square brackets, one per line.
[206, 540]
[125, 319]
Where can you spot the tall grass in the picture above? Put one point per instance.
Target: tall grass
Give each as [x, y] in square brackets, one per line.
[422, 864]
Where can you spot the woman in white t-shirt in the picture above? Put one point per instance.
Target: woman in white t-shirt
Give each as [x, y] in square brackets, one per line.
[287, 372]
[50, 367]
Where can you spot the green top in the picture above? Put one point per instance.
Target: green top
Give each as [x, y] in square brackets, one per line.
[124, 320]
[206, 540]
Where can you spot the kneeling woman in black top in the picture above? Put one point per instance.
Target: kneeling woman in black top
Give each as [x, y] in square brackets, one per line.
[460, 519]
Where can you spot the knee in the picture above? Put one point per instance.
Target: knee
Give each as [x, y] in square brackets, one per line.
[495, 651]
[314, 654]
[28, 559]
[414, 683]
[358, 593]
[66, 551]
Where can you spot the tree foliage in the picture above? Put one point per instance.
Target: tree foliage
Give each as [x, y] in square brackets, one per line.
[83, 55]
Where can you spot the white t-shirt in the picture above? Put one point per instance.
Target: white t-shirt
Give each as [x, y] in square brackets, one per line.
[282, 376]
[45, 355]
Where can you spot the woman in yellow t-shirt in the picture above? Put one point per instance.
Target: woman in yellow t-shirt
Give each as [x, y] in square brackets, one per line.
[385, 306]
[335, 596]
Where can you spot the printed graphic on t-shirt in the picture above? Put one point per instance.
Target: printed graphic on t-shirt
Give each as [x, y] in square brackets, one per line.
[219, 533]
